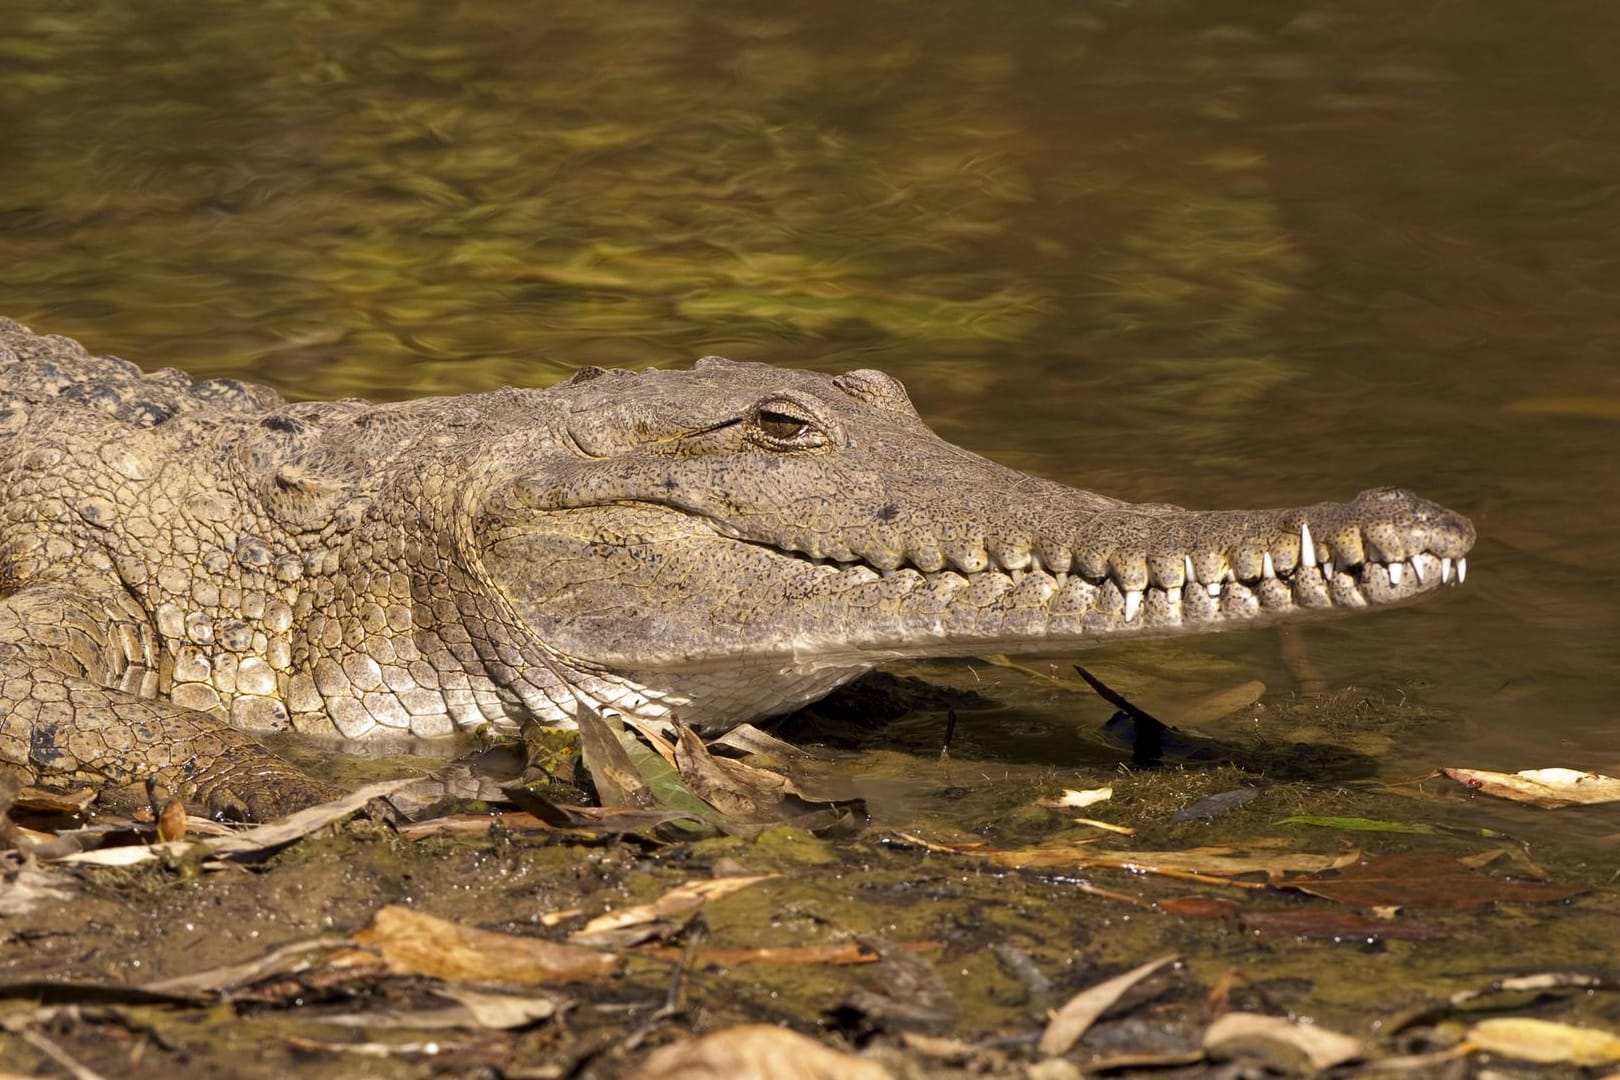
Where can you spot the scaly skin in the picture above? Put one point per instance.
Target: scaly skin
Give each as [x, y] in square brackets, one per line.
[183, 564]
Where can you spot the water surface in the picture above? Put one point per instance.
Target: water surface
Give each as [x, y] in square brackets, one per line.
[1216, 254]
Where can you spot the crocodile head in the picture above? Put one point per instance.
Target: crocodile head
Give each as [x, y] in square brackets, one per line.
[740, 538]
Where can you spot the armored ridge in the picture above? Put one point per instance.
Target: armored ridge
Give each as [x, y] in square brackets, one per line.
[184, 563]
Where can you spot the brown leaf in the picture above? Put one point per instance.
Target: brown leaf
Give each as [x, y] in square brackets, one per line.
[662, 917]
[1547, 788]
[847, 954]
[1209, 863]
[1281, 1045]
[1075, 1018]
[1322, 923]
[756, 1052]
[741, 792]
[1428, 883]
[1544, 1041]
[39, 801]
[618, 783]
[1200, 907]
[416, 944]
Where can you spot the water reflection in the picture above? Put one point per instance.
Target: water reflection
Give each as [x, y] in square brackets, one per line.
[1214, 254]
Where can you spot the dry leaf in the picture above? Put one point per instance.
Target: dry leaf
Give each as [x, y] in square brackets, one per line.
[416, 944]
[1280, 1045]
[1548, 788]
[662, 917]
[50, 802]
[1544, 1041]
[756, 1052]
[618, 784]
[502, 1011]
[1072, 799]
[1321, 923]
[1217, 865]
[1421, 881]
[848, 953]
[1075, 1018]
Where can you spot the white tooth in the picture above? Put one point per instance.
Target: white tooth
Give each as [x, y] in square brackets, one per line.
[1445, 569]
[1190, 575]
[1133, 603]
[1213, 588]
[1307, 546]
[1327, 570]
[1462, 570]
[1417, 568]
[1173, 594]
[1266, 567]
[1395, 573]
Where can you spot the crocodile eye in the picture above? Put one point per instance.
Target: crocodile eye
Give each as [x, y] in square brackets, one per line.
[779, 425]
[783, 425]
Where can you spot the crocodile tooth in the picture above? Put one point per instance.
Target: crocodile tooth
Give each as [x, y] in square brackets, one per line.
[1214, 588]
[1417, 568]
[1307, 546]
[1462, 570]
[1395, 569]
[1133, 603]
[1327, 570]
[1267, 568]
[1191, 574]
[1445, 569]
[1173, 594]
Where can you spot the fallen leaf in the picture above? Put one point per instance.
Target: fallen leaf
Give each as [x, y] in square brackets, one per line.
[1216, 865]
[502, 1011]
[294, 957]
[1357, 824]
[756, 1052]
[416, 944]
[39, 801]
[751, 740]
[28, 888]
[662, 917]
[618, 784]
[1073, 799]
[1322, 923]
[1426, 882]
[1075, 1018]
[748, 796]
[1106, 826]
[478, 824]
[1544, 1041]
[1215, 805]
[283, 831]
[842, 955]
[1200, 907]
[1278, 1044]
[1548, 788]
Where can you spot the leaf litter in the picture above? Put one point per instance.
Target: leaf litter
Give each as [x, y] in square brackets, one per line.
[665, 791]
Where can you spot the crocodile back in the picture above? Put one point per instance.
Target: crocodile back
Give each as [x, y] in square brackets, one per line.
[57, 374]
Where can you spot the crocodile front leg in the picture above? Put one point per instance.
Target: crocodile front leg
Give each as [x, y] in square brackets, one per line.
[76, 705]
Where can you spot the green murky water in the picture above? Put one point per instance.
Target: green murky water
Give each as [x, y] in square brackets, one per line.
[1217, 254]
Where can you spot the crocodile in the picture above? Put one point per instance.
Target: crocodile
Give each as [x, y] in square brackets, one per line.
[186, 564]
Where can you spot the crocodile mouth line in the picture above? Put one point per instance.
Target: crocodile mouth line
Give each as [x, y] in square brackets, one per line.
[1315, 581]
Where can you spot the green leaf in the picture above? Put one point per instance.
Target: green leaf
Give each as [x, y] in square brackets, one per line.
[1359, 824]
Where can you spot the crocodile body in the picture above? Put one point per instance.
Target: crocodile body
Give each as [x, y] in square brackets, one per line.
[186, 563]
